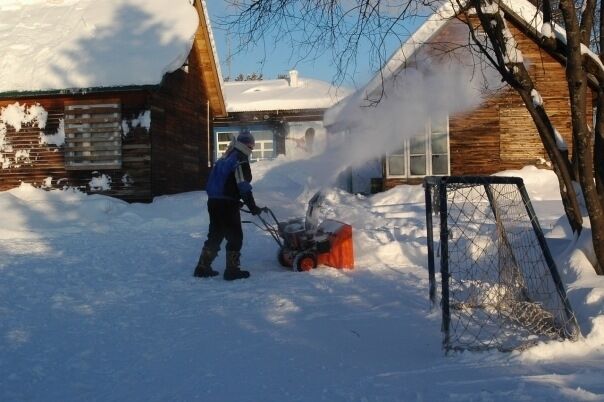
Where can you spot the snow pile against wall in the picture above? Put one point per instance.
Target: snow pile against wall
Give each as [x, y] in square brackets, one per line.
[100, 183]
[58, 138]
[17, 116]
[86, 43]
[142, 120]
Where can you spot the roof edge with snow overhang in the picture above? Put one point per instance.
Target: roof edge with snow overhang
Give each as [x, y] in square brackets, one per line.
[74, 91]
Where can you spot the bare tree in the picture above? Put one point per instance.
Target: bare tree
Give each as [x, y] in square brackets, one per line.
[583, 69]
[343, 26]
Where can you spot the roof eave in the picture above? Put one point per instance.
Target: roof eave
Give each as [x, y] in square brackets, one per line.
[217, 103]
[73, 91]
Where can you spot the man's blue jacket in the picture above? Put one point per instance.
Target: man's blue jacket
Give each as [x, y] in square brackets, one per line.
[231, 176]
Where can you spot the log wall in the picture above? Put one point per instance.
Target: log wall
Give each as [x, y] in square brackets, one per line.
[181, 131]
[131, 182]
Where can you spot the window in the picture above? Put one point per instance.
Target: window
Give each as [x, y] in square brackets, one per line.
[396, 163]
[417, 156]
[93, 136]
[264, 148]
[425, 154]
[223, 139]
[439, 147]
[264, 139]
[304, 138]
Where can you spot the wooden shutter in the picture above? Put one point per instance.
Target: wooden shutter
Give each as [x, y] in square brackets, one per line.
[93, 135]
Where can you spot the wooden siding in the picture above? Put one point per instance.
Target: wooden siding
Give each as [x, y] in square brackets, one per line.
[520, 143]
[181, 131]
[47, 160]
[474, 142]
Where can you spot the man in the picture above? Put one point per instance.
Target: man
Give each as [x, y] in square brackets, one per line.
[229, 182]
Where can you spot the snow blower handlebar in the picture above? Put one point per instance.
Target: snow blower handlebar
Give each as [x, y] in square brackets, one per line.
[271, 227]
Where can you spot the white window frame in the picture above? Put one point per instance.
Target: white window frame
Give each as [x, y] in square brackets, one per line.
[264, 149]
[217, 152]
[428, 154]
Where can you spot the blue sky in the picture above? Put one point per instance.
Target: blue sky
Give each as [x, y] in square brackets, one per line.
[271, 61]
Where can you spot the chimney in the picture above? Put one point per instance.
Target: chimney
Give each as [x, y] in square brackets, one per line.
[293, 78]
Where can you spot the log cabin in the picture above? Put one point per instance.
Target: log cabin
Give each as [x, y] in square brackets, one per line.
[115, 98]
[493, 135]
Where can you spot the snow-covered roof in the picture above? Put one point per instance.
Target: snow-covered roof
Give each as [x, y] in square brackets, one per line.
[61, 44]
[306, 93]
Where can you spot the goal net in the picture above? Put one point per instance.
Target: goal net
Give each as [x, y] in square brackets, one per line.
[499, 285]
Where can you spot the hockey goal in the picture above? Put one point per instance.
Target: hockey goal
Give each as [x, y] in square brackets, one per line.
[499, 284]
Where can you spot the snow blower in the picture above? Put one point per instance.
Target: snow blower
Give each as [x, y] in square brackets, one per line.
[305, 243]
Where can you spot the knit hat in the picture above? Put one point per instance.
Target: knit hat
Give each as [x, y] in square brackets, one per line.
[245, 137]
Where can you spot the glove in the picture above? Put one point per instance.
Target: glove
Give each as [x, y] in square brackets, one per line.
[255, 210]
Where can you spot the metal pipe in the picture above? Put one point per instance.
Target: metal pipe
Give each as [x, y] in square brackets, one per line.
[208, 128]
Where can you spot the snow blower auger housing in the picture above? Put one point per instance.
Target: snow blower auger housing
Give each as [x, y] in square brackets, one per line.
[304, 244]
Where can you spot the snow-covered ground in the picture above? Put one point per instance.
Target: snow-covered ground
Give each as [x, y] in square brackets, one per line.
[98, 303]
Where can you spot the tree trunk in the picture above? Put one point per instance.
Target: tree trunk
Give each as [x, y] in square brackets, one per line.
[577, 85]
[516, 75]
[560, 164]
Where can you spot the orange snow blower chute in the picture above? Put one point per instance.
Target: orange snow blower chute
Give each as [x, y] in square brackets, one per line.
[304, 244]
[341, 251]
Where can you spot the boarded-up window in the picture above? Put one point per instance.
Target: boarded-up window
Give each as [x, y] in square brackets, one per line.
[93, 137]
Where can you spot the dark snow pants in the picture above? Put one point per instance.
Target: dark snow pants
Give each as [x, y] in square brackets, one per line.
[225, 223]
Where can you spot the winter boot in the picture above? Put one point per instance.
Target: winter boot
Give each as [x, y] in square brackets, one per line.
[233, 271]
[204, 266]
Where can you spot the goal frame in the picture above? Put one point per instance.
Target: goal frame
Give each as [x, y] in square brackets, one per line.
[436, 190]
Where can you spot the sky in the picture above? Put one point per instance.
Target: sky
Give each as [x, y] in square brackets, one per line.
[279, 62]
[272, 60]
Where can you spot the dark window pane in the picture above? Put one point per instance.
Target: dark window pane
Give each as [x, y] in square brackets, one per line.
[225, 137]
[439, 125]
[264, 135]
[396, 165]
[440, 164]
[417, 165]
[439, 143]
[417, 145]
